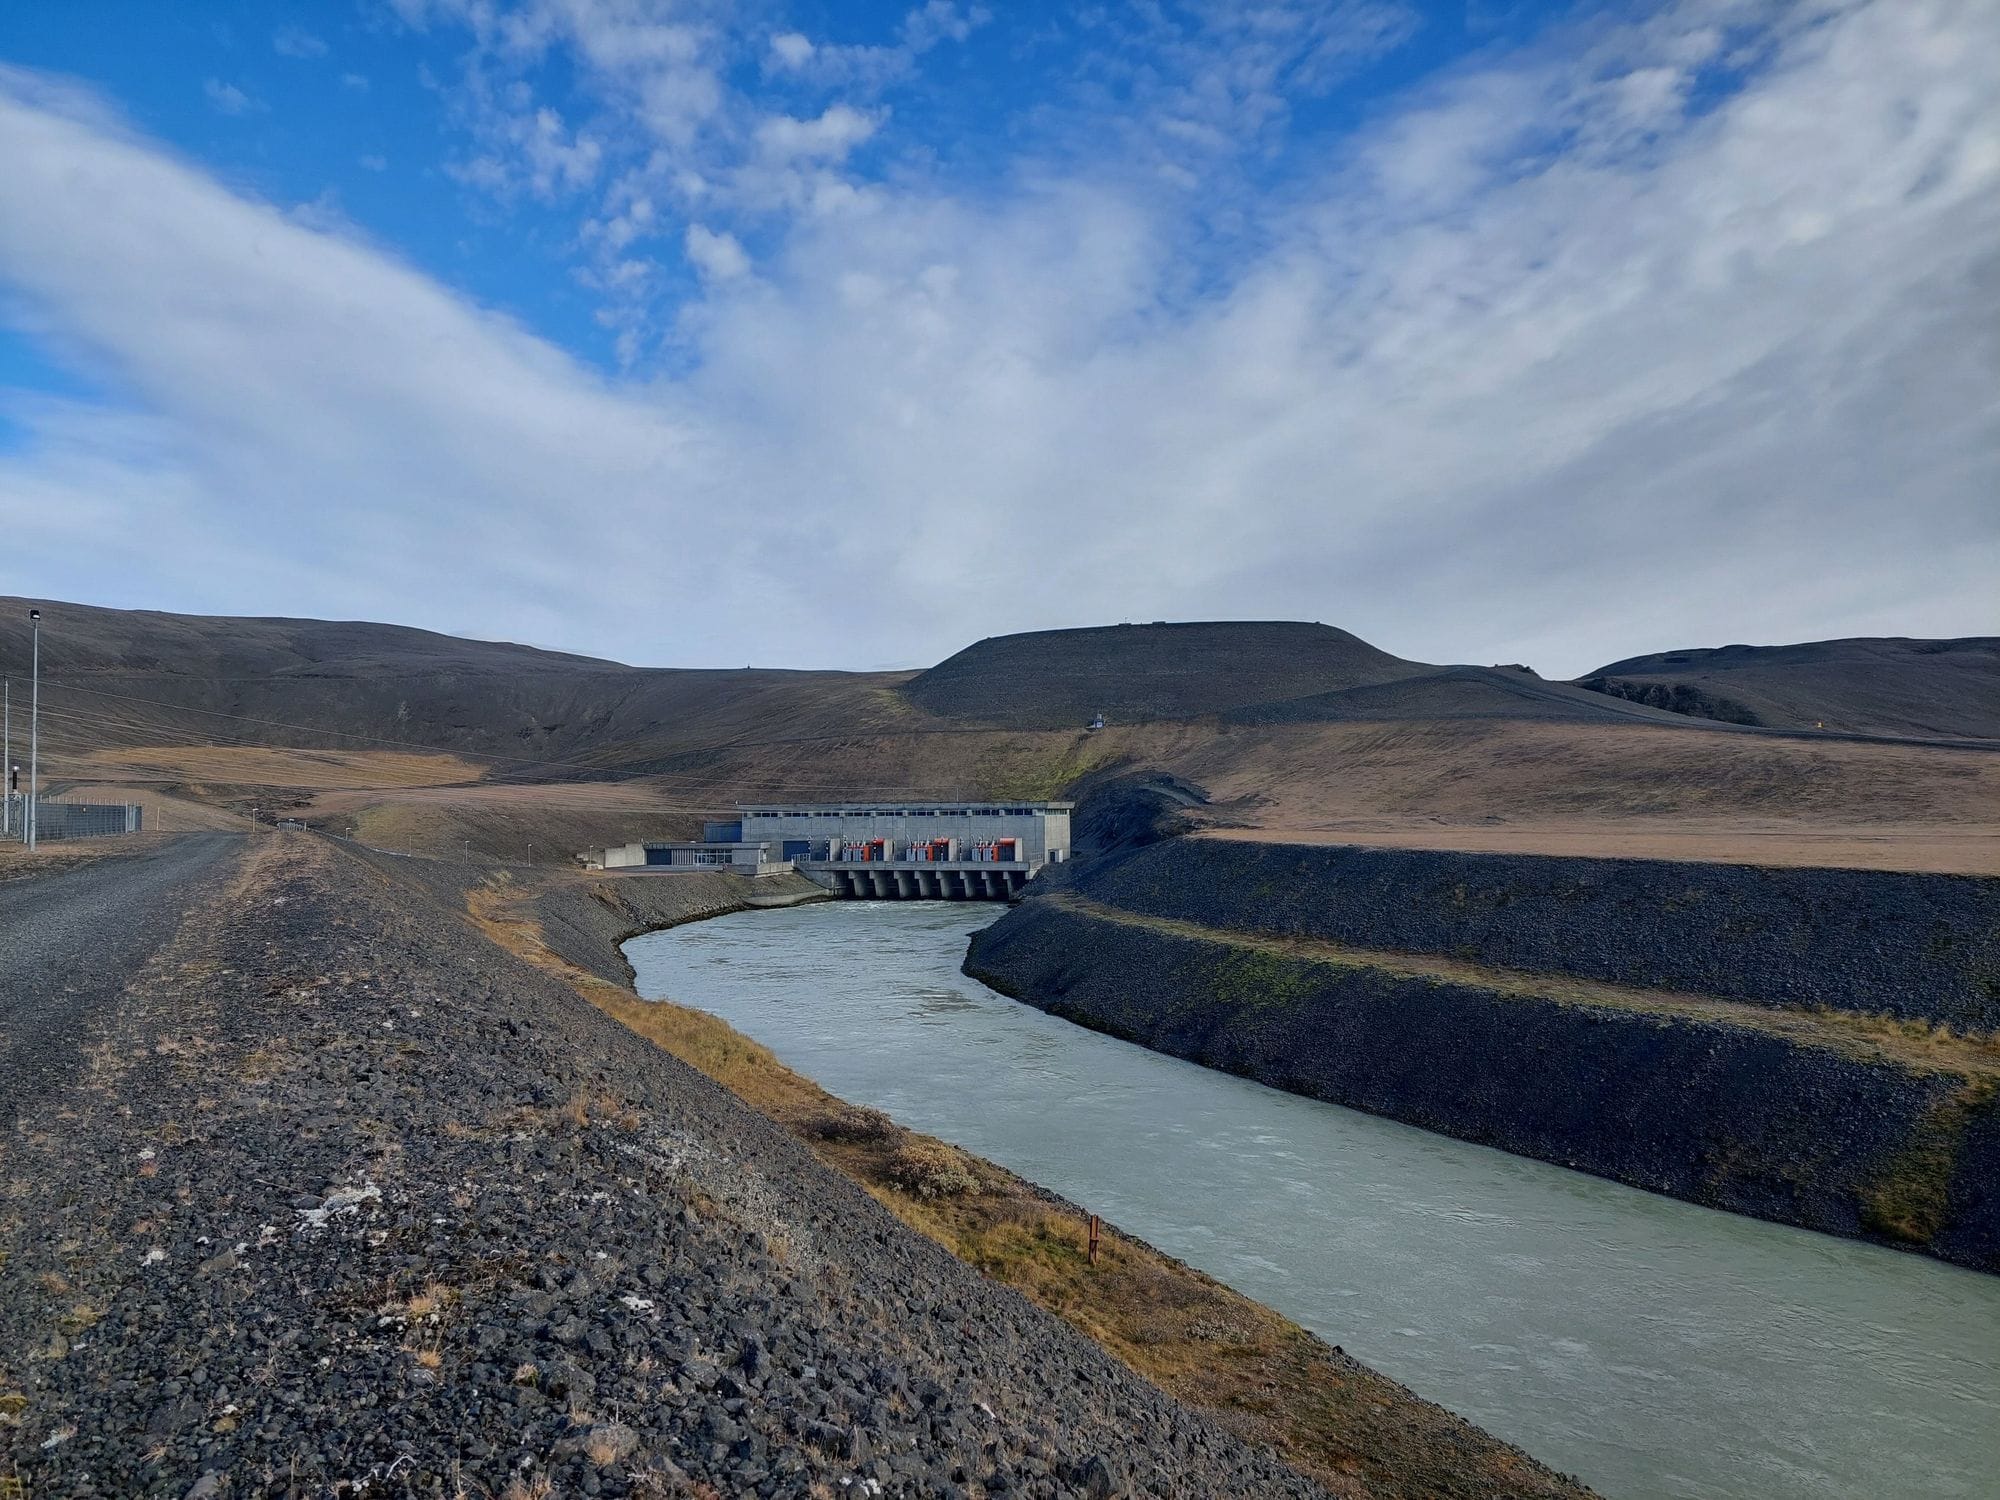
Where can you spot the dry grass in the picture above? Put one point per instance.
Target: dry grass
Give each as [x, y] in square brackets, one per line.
[431, 1300]
[1352, 1429]
[932, 1169]
[164, 813]
[1607, 789]
[18, 863]
[1918, 848]
[274, 766]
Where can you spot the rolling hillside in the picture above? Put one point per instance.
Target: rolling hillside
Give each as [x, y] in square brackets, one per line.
[1893, 685]
[1247, 672]
[422, 742]
[122, 678]
[1060, 679]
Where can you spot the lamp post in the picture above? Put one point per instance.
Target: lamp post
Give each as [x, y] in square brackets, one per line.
[34, 732]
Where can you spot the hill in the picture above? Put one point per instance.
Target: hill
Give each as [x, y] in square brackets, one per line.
[1871, 685]
[113, 678]
[1059, 679]
[421, 742]
[1430, 693]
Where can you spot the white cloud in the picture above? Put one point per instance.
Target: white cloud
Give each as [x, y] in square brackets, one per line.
[296, 41]
[227, 99]
[1550, 366]
[942, 21]
[373, 163]
[868, 69]
[717, 256]
[535, 150]
[790, 51]
[827, 137]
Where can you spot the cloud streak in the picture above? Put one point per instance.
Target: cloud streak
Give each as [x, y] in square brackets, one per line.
[1658, 334]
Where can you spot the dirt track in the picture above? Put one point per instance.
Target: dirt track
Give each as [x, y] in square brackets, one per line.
[74, 938]
[351, 1202]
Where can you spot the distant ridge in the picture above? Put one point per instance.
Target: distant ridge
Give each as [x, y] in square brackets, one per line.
[1869, 685]
[1244, 672]
[113, 677]
[1451, 693]
[1058, 679]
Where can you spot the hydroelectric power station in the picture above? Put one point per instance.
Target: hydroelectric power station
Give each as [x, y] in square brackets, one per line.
[955, 851]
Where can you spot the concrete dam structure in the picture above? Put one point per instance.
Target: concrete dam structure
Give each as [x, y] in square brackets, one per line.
[950, 851]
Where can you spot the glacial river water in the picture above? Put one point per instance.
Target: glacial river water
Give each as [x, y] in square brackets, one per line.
[1652, 1348]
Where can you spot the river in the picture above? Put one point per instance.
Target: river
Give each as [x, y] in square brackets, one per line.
[1652, 1348]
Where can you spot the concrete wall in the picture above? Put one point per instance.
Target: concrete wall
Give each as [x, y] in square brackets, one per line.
[882, 882]
[1042, 831]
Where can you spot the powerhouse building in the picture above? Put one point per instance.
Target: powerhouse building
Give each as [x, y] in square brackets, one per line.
[886, 850]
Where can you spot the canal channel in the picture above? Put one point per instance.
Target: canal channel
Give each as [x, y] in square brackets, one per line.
[1651, 1347]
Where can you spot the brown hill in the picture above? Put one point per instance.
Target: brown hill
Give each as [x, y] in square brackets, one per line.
[121, 678]
[423, 742]
[1885, 685]
[1429, 693]
[1060, 679]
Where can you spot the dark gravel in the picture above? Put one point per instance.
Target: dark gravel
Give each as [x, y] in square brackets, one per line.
[1922, 947]
[70, 940]
[349, 1202]
[1721, 1115]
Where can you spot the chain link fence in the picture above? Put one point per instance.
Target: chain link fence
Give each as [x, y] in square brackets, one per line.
[56, 818]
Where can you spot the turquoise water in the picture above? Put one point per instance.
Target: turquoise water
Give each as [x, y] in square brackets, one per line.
[1650, 1347]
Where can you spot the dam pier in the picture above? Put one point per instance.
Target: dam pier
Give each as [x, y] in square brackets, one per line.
[883, 851]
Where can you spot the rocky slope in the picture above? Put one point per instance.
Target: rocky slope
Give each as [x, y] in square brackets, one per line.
[1923, 948]
[351, 1202]
[1527, 1004]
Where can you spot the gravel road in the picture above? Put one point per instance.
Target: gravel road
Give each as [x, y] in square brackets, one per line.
[70, 941]
[346, 1201]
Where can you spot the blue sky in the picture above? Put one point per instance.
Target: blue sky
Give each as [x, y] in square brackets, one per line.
[359, 110]
[1491, 331]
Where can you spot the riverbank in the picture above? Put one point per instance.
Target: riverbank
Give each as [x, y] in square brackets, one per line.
[350, 1200]
[1348, 1426]
[1375, 979]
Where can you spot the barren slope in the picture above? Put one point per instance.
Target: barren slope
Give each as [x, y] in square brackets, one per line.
[1887, 685]
[415, 741]
[1057, 679]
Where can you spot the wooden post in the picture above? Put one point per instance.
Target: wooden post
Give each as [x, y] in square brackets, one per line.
[1094, 1229]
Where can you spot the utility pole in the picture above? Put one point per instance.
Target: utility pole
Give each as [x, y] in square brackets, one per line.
[34, 731]
[7, 759]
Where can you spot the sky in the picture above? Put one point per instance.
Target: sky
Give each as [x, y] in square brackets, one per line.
[695, 333]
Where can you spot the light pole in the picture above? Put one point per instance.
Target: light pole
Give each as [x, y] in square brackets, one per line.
[34, 732]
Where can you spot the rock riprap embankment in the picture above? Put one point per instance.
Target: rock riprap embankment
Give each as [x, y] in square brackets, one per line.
[1920, 947]
[349, 1202]
[1852, 1123]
